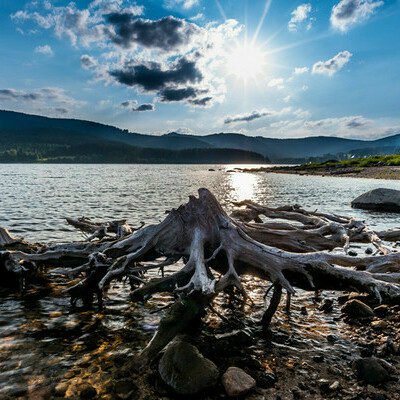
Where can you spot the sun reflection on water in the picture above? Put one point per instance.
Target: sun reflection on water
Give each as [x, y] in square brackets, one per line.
[244, 185]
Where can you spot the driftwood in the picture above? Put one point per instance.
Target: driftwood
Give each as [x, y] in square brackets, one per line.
[101, 229]
[215, 249]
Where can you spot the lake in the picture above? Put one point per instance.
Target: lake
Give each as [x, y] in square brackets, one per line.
[36, 198]
[43, 341]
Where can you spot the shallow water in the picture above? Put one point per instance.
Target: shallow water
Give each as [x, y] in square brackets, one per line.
[43, 340]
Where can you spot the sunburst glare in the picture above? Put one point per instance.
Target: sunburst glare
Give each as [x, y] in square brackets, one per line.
[246, 61]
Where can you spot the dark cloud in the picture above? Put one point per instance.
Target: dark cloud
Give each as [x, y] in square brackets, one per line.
[166, 34]
[356, 123]
[247, 117]
[61, 110]
[201, 102]
[170, 94]
[152, 77]
[12, 95]
[88, 61]
[144, 107]
[346, 9]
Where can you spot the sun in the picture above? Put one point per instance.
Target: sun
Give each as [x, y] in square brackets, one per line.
[245, 61]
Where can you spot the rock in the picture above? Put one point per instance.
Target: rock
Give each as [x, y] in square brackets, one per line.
[370, 371]
[303, 310]
[327, 305]
[237, 337]
[379, 324]
[318, 358]
[183, 368]
[87, 391]
[379, 200]
[382, 310]
[331, 338]
[60, 389]
[352, 253]
[323, 385]
[211, 169]
[236, 382]
[335, 386]
[369, 250]
[357, 309]
[124, 388]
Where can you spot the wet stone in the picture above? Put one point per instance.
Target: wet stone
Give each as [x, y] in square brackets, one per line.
[327, 306]
[370, 371]
[125, 388]
[236, 382]
[382, 311]
[331, 338]
[357, 309]
[60, 389]
[183, 368]
[87, 391]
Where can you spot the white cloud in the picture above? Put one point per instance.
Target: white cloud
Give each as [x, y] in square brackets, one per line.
[197, 17]
[330, 67]
[46, 49]
[299, 71]
[347, 13]
[184, 3]
[287, 98]
[300, 15]
[276, 82]
[88, 62]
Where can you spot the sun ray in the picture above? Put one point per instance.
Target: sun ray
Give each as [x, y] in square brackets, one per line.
[265, 12]
[221, 10]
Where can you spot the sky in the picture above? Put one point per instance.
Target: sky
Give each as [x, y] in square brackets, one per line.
[267, 68]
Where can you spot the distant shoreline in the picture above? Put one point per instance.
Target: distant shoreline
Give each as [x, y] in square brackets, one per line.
[376, 172]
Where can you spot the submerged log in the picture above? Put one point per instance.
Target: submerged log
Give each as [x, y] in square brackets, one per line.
[217, 249]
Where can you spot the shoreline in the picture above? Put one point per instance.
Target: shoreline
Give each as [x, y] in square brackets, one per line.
[379, 172]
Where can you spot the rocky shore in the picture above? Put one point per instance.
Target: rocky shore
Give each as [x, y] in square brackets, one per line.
[376, 172]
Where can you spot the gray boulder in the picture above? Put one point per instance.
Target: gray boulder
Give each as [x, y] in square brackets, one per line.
[185, 370]
[379, 200]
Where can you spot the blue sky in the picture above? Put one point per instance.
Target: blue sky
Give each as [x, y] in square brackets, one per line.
[263, 68]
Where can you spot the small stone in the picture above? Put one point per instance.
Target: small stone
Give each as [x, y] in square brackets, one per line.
[331, 338]
[327, 305]
[60, 389]
[87, 391]
[236, 382]
[124, 388]
[352, 253]
[368, 250]
[379, 324]
[357, 309]
[318, 358]
[237, 337]
[335, 386]
[382, 311]
[303, 310]
[370, 371]
[323, 385]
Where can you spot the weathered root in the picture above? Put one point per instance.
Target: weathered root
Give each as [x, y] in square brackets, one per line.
[102, 229]
[217, 249]
[272, 307]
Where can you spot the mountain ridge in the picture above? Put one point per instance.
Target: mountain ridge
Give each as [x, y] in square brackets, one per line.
[275, 149]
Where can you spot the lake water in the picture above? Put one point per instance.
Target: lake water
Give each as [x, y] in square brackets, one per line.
[43, 341]
[36, 198]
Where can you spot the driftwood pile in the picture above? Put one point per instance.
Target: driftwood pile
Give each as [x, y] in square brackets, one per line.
[287, 247]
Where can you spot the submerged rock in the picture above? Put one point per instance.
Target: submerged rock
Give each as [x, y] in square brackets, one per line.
[357, 309]
[236, 382]
[379, 200]
[183, 368]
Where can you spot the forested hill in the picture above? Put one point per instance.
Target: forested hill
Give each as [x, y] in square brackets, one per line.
[37, 143]
[25, 132]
